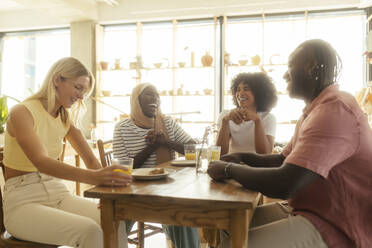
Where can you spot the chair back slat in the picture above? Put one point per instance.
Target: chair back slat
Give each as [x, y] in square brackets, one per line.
[105, 155]
[2, 228]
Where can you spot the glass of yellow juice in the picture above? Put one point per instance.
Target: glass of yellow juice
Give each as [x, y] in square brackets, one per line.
[214, 153]
[126, 162]
[190, 151]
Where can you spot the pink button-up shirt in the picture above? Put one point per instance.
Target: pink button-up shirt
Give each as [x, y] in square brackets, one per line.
[334, 140]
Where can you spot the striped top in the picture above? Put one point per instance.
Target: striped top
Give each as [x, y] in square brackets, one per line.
[129, 139]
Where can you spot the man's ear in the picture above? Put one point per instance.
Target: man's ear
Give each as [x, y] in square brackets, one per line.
[311, 70]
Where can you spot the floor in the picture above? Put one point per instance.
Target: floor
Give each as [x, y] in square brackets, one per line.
[158, 240]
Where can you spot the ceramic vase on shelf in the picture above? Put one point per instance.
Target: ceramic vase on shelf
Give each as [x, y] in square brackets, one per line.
[256, 60]
[207, 59]
[104, 65]
[192, 59]
[117, 65]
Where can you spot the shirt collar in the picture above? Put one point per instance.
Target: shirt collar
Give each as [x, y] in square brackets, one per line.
[320, 98]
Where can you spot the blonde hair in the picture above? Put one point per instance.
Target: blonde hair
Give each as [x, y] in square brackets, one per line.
[65, 68]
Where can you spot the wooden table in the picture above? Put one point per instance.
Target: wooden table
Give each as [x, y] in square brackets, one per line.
[183, 198]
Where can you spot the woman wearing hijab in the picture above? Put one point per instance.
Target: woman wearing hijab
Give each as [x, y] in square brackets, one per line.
[151, 138]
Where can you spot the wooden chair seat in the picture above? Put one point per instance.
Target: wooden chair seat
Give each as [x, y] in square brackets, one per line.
[106, 155]
[9, 241]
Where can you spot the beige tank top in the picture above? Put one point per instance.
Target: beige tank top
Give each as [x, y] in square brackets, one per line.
[50, 130]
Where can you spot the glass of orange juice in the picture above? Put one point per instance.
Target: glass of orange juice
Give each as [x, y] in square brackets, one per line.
[126, 162]
[214, 153]
[190, 150]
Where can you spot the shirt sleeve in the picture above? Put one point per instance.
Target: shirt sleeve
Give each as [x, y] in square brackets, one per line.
[269, 123]
[119, 148]
[220, 117]
[180, 136]
[327, 137]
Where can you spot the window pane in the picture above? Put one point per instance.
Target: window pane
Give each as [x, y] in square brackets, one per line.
[276, 37]
[27, 58]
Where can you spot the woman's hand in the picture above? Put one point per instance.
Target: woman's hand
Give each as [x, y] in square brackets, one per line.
[108, 177]
[235, 115]
[249, 115]
[155, 138]
[216, 170]
[239, 115]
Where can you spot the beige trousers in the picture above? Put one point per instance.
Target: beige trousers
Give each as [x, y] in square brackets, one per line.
[39, 208]
[273, 226]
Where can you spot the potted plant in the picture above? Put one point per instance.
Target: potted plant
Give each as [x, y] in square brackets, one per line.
[3, 113]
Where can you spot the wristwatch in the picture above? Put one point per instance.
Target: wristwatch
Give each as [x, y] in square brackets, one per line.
[227, 167]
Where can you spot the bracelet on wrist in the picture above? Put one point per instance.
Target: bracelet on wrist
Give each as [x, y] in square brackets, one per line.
[227, 167]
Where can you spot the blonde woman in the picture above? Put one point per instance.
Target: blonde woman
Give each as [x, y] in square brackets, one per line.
[37, 205]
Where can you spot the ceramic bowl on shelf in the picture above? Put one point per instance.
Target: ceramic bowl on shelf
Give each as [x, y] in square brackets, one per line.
[243, 62]
[207, 91]
[181, 64]
[106, 92]
[158, 65]
[123, 116]
[133, 65]
[171, 92]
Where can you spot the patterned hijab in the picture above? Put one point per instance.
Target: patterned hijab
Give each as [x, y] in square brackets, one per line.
[163, 154]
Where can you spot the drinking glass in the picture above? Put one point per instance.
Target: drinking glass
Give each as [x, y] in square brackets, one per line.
[214, 153]
[190, 151]
[126, 162]
[201, 158]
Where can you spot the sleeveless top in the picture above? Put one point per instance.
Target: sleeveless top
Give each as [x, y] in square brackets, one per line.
[50, 130]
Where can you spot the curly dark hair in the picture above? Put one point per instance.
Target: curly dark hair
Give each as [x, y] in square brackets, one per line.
[262, 88]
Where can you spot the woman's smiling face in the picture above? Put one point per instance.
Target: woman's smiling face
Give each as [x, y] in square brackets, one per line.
[149, 101]
[244, 96]
[69, 91]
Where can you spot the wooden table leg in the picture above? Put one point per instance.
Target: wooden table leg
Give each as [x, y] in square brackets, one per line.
[141, 234]
[239, 225]
[109, 224]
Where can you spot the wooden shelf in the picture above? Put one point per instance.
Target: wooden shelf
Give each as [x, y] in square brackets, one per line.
[159, 95]
[292, 122]
[161, 68]
[236, 65]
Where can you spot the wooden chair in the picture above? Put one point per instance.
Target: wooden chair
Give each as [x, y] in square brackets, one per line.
[77, 163]
[7, 240]
[106, 155]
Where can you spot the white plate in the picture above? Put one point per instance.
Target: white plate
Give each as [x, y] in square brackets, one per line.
[183, 163]
[144, 174]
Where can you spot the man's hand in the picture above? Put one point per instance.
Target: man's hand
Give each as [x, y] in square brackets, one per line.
[216, 170]
[232, 157]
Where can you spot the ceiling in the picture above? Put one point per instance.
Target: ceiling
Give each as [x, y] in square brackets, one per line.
[71, 10]
[30, 14]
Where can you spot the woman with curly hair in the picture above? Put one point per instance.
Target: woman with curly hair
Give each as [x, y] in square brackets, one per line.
[250, 127]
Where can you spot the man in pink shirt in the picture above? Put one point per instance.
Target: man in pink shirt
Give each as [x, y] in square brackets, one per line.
[325, 171]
